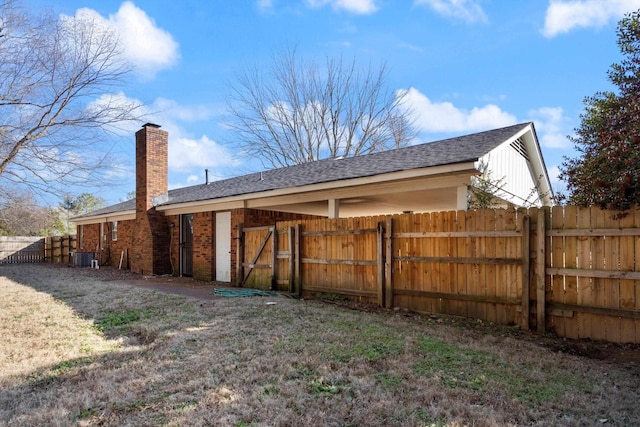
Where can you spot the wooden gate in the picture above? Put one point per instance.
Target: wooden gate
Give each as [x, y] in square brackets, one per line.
[265, 258]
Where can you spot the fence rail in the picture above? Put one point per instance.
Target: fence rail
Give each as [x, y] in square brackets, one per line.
[569, 270]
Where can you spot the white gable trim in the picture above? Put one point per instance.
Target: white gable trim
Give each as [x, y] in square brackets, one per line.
[521, 151]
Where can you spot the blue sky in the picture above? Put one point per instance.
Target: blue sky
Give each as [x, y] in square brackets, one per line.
[469, 65]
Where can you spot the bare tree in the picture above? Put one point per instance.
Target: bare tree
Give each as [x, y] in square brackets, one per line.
[21, 215]
[56, 113]
[296, 112]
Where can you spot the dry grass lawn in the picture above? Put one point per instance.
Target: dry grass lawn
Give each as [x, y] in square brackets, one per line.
[76, 350]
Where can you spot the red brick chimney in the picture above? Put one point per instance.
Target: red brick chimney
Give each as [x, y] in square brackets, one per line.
[149, 251]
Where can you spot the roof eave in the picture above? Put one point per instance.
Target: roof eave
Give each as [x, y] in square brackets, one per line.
[238, 201]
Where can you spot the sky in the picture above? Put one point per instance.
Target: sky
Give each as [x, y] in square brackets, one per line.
[468, 65]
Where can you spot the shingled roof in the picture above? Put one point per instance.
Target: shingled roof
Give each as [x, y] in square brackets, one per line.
[448, 151]
[129, 205]
[461, 149]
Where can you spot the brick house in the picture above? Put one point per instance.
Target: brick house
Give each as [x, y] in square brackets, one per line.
[191, 231]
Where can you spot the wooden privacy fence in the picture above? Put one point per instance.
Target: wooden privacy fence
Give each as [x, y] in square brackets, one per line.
[21, 249]
[592, 281]
[568, 270]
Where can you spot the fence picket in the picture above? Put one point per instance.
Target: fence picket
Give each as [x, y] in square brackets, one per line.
[491, 270]
[481, 248]
[452, 251]
[437, 268]
[557, 245]
[585, 284]
[432, 279]
[570, 261]
[500, 276]
[460, 285]
[611, 287]
[598, 287]
[512, 272]
[635, 293]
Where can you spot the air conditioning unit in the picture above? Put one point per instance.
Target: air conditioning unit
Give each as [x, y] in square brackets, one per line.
[82, 259]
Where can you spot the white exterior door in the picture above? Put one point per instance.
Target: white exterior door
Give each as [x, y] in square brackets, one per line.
[223, 246]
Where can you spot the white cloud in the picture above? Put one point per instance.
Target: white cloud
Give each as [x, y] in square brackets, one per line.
[192, 179]
[446, 117]
[265, 6]
[467, 10]
[184, 113]
[563, 16]
[555, 140]
[361, 7]
[146, 46]
[187, 154]
[411, 47]
[551, 126]
[109, 105]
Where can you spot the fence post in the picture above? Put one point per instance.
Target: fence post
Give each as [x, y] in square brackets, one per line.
[240, 255]
[388, 271]
[290, 232]
[298, 279]
[74, 247]
[526, 269]
[274, 259]
[540, 271]
[69, 250]
[380, 263]
[47, 249]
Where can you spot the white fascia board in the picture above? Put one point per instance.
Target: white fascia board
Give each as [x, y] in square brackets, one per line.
[116, 216]
[202, 206]
[248, 200]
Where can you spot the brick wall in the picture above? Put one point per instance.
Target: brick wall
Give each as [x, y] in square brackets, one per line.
[204, 246]
[121, 246]
[111, 249]
[90, 237]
